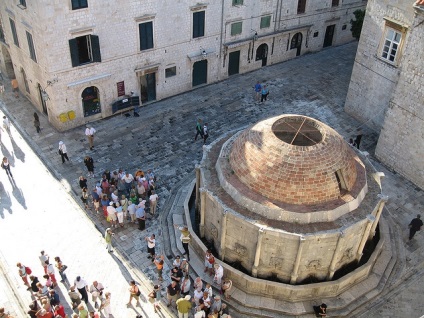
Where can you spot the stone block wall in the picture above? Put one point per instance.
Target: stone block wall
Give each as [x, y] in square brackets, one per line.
[401, 142]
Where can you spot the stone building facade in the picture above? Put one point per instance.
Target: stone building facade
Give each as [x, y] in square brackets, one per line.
[386, 91]
[79, 60]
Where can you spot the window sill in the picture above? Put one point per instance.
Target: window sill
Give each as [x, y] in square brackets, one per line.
[22, 7]
[387, 62]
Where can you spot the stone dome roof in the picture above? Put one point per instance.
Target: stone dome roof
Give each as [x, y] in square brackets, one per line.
[294, 159]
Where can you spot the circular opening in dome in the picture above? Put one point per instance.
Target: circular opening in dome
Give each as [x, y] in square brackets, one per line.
[297, 131]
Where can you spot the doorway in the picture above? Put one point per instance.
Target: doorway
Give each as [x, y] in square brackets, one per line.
[296, 43]
[91, 101]
[148, 87]
[233, 63]
[329, 33]
[42, 97]
[262, 53]
[200, 73]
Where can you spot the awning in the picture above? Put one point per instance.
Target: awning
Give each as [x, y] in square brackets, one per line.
[89, 79]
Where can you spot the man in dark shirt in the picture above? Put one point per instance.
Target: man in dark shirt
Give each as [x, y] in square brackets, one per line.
[415, 226]
[173, 291]
[176, 275]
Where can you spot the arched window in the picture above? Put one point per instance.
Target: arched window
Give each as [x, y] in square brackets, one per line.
[91, 101]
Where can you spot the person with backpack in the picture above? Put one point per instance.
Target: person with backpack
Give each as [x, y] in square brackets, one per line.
[24, 272]
[199, 129]
[205, 133]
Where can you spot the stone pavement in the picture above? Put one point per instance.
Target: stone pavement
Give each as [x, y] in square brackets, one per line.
[162, 139]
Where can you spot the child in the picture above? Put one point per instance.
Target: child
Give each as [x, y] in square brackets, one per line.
[84, 197]
[96, 203]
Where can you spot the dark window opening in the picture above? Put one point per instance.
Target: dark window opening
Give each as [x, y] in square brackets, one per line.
[14, 34]
[146, 35]
[301, 6]
[170, 71]
[31, 47]
[335, 3]
[79, 4]
[198, 24]
[85, 49]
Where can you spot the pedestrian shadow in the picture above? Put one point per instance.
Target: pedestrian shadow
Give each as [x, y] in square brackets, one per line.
[141, 311]
[18, 194]
[8, 155]
[6, 202]
[19, 154]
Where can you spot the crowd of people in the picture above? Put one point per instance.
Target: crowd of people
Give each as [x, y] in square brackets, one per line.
[46, 300]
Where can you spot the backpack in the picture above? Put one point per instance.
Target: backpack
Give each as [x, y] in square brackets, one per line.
[28, 270]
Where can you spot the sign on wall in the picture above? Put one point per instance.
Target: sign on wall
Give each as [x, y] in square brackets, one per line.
[121, 88]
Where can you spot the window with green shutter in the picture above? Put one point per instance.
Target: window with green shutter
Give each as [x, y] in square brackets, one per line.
[265, 22]
[14, 34]
[146, 35]
[237, 2]
[31, 47]
[236, 28]
[85, 49]
[198, 24]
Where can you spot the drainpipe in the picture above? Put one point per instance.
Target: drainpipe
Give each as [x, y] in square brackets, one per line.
[335, 255]
[295, 272]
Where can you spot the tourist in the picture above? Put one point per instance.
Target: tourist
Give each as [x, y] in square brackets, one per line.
[151, 243]
[5, 164]
[96, 290]
[75, 297]
[159, 266]
[105, 306]
[183, 306]
[209, 262]
[84, 197]
[321, 310]
[155, 297]
[128, 180]
[34, 282]
[176, 275]
[119, 214]
[200, 313]
[61, 268]
[43, 258]
[23, 274]
[185, 239]
[264, 93]
[217, 304]
[226, 287]
[89, 132]
[258, 89]
[108, 239]
[153, 199]
[205, 133]
[82, 287]
[199, 129]
[415, 226]
[82, 311]
[63, 152]
[124, 203]
[206, 302]
[111, 214]
[89, 163]
[185, 285]
[134, 293]
[131, 211]
[219, 272]
[173, 292]
[141, 217]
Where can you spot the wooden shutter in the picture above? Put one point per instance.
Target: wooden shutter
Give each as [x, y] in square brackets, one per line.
[146, 35]
[95, 48]
[198, 24]
[73, 47]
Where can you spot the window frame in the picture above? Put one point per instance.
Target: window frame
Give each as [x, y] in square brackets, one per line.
[170, 71]
[93, 50]
[199, 28]
[146, 36]
[31, 47]
[14, 32]
[235, 25]
[80, 4]
[263, 19]
[301, 6]
[397, 29]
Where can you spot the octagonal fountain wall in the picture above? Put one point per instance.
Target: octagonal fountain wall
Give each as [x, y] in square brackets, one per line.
[288, 200]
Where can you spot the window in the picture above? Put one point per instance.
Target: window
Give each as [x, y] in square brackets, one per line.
[146, 35]
[265, 22]
[22, 4]
[198, 24]
[85, 49]
[301, 6]
[25, 81]
[14, 34]
[236, 28]
[391, 45]
[237, 2]
[170, 71]
[31, 47]
[79, 4]
[1, 33]
[335, 3]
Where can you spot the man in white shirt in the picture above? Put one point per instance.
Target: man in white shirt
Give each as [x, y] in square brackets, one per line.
[153, 202]
[43, 258]
[128, 180]
[82, 287]
[96, 290]
[89, 132]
